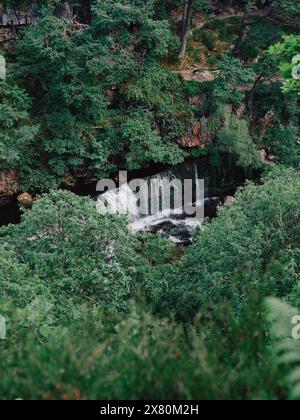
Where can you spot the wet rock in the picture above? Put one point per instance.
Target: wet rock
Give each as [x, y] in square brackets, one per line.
[180, 233]
[266, 158]
[211, 207]
[228, 201]
[25, 199]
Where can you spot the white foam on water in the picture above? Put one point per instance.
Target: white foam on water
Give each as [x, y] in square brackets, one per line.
[121, 201]
[124, 201]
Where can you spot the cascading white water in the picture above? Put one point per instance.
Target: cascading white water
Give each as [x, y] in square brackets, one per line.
[121, 201]
[164, 214]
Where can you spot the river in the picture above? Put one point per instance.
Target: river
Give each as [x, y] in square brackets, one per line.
[220, 182]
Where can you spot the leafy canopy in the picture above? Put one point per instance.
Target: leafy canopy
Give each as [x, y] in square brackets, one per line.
[288, 54]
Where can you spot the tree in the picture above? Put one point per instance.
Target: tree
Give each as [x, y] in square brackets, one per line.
[189, 7]
[17, 133]
[272, 7]
[288, 54]
[248, 5]
[78, 255]
[87, 81]
[258, 235]
[232, 76]
[235, 139]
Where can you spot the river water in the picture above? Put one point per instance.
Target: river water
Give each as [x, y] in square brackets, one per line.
[173, 224]
[179, 228]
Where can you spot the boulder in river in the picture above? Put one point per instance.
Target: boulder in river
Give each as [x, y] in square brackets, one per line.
[228, 201]
[25, 199]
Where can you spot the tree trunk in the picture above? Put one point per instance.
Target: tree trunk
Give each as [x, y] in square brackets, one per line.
[219, 7]
[240, 41]
[250, 96]
[185, 5]
[186, 22]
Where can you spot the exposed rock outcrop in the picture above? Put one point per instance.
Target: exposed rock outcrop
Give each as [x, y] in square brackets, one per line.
[197, 136]
[228, 201]
[192, 139]
[63, 10]
[25, 200]
[9, 187]
[198, 75]
[12, 20]
[267, 158]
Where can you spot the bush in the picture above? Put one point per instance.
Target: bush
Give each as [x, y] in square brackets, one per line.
[78, 293]
[209, 39]
[75, 252]
[140, 358]
[257, 236]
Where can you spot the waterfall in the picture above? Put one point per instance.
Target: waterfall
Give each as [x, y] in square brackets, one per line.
[154, 204]
[120, 201]
[148, 209]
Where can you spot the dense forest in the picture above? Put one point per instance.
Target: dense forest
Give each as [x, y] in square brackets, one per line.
[94, 310]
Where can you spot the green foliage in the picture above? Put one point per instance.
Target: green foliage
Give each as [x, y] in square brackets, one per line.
[95, 312]
[289, 6]
[99, 97]
[175, 362]
[75, 251]
[281, 317]
[86, 83]
[259, 38]
[17, 133]
[209, 40]
[225, 30]
[288, 54]
[145, 144]
[233, 137]
[71, 277]
[17, 283]
[71, 365]
[284, 142]
[257, 237]
[68, 93]
[232, 75]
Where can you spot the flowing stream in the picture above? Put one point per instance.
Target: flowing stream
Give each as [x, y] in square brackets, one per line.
[173, 224]
[172, 221]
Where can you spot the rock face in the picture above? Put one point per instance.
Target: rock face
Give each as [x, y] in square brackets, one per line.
[9, 187]
[199, 76]
[197, 137]
[228, 201]
[192, 139]
[63, 10]
[14, 19]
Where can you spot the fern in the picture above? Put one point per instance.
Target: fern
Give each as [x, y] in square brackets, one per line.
[281, 316]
